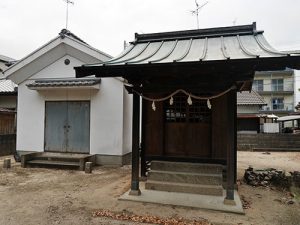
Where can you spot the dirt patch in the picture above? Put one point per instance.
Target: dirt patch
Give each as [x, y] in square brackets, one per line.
[49, 196]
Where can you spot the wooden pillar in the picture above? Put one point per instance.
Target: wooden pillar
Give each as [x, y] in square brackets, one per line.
[235, 136]
[135, 188]
[231, 147]
[143, 160]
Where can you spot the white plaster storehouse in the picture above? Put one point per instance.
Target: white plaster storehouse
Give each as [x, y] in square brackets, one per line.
[58, 113]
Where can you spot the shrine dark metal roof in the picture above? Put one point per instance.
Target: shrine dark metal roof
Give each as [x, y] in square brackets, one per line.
[63, 83]
[209, 60]
[196, 45]
[203, 45]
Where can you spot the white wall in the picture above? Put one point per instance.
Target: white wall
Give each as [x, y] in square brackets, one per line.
[297, 86]
[127, 124]
[58, 69]
[30, 120]
[247, 109]
[106, 116]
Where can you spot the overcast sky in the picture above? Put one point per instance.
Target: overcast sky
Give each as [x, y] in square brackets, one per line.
[25, 25]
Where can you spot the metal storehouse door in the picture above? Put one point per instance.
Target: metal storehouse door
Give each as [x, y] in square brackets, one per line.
[67, 126]
[78, 130]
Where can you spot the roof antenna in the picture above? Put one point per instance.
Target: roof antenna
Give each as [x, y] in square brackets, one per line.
[234, 21]
[125, 44]
[67, 12]
[196, 11]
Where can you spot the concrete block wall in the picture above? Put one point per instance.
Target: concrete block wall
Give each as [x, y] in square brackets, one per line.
[250, 142]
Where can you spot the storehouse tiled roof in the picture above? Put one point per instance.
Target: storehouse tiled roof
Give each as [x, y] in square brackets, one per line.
[64, 83]
[249, 98]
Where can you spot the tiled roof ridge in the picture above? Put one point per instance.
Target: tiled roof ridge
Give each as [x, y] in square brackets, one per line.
[65, 32]
[64, 82]
[198, 33]
[66, 79]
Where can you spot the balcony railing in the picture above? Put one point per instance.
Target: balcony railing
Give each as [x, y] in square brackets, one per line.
[274, 89]
[278, 107]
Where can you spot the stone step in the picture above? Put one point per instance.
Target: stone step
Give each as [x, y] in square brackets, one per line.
[54, 158]
[186, 167]
[52, 163]
[57, 159]
[215, 190]
[62, 156]
[185, 177]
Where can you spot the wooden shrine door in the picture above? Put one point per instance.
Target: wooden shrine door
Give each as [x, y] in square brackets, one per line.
[187, 128]
[178, 130]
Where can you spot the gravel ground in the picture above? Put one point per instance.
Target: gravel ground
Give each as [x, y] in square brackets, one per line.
[51, 196]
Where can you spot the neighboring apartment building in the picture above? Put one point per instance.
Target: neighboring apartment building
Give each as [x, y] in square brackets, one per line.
[277, 90]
